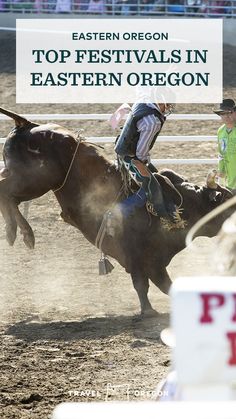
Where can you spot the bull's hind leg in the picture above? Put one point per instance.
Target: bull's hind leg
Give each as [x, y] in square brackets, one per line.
[11, 225]
[26, 230]
[141, 285]
[7, 213]
[161, 279]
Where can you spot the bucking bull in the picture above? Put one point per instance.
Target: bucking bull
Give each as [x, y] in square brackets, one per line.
[40, 158]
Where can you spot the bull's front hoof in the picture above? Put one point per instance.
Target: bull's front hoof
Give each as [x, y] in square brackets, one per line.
[149, 312]
[29, 240]
[10, 235]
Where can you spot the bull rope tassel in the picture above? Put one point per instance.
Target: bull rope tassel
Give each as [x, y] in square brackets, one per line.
[104, 265]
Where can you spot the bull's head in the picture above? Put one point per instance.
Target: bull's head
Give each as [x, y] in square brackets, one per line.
[200, 200]
[34, 164]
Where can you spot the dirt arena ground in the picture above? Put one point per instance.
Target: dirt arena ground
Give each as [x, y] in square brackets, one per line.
[68, 334]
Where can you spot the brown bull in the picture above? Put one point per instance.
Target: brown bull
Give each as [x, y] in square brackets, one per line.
[39, 158]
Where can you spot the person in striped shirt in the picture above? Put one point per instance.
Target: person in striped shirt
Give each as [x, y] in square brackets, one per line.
[141, 129]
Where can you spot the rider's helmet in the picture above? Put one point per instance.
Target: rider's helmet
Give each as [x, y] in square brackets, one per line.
[165, 101]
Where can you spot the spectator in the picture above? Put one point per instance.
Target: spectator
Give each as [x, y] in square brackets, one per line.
[176, 6]
[159, 6]
[194, 6]
[96, 7]
[50, 5]
[146, 7]
[76, 5]
[83, 5]
[2, 5]
[39, 6]
[63, 6]
[219, 7]
[216, 7]
[126, 7]
[227, 142]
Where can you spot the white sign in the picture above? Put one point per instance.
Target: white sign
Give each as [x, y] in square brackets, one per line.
[119, 60]
[204, 322]
[167, 410]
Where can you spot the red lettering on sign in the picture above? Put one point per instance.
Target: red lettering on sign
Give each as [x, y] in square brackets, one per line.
[234, 315]
[232, 338]
[210, 302]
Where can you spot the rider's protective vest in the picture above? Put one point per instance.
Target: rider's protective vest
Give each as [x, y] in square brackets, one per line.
[127, 141]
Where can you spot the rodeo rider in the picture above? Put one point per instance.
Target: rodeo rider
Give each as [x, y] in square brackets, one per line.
[141, 129]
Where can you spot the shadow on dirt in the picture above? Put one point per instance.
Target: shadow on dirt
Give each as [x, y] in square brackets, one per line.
[89, 329]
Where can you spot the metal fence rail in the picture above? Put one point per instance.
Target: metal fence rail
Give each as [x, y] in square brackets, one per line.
[106, 116]
[162, 138]
[169, 162]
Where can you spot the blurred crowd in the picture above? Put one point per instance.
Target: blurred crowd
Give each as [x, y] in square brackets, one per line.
[123, 7]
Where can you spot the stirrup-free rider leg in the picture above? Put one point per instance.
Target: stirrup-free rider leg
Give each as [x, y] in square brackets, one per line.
[144, 178]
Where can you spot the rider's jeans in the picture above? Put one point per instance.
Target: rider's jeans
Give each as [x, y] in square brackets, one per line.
[144, 178]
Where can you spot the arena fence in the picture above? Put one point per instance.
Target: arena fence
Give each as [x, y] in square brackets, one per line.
[105, 116]
[186, 8]
[162, 138]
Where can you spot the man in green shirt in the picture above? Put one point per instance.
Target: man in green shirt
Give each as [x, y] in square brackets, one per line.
[227, 142]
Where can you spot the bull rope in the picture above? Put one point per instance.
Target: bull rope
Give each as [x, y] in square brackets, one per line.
[125, 188]
[79, 139]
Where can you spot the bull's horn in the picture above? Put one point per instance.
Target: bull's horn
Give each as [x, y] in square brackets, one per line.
[19, 120]
[211, 179]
